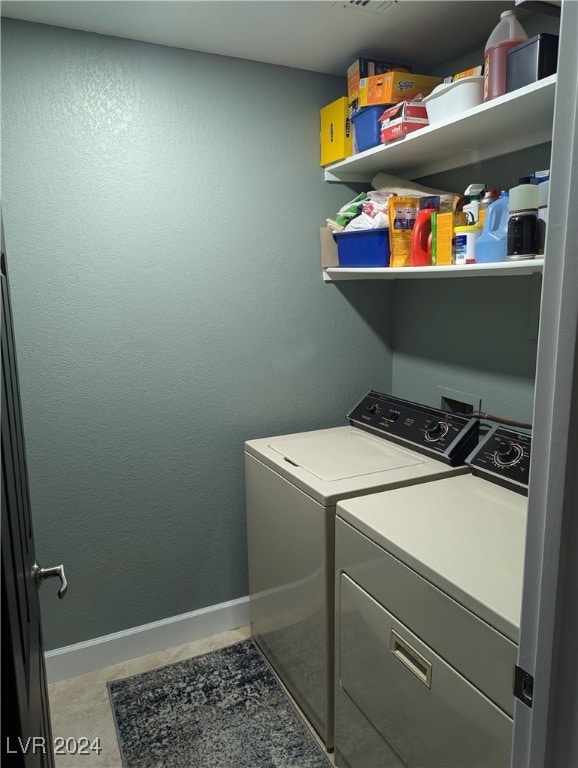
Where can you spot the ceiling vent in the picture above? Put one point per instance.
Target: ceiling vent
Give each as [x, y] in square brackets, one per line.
[371, 6]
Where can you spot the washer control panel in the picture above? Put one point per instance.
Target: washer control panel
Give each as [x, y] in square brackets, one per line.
[447, 436]
[504, 457]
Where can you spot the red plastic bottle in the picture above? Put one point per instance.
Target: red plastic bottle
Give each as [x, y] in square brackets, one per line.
[507, 33]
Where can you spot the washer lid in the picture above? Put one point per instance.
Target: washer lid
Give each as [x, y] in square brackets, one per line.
[339, 456]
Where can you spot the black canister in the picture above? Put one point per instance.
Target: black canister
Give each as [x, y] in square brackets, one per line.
[531, 61]
[522, 235]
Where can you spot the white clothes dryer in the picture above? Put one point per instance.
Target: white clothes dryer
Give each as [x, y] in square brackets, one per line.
[293, 483]
[428, 600]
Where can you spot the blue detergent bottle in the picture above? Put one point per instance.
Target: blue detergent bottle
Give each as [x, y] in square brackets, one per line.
[492, 244]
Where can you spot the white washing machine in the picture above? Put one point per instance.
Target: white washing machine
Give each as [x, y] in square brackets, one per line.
[293, 483]
[428, 598]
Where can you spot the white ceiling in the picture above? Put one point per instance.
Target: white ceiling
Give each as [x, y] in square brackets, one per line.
[317, 35]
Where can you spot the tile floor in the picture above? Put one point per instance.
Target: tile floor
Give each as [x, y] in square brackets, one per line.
[80, 706]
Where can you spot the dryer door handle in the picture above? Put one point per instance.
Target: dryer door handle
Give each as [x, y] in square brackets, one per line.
[410, 658]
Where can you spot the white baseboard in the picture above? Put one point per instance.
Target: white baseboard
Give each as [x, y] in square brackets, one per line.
[105, 651]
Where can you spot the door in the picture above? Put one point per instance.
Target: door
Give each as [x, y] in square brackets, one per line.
[26, 734]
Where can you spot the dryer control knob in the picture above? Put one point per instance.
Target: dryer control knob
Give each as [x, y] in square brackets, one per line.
[436, 431]
[509, 456]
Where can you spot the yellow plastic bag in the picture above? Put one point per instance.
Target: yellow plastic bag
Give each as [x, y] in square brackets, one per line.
[402, 215]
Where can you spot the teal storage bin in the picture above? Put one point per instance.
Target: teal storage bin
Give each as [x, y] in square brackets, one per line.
[363, 247]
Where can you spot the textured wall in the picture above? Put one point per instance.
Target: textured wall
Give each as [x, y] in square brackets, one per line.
[473, 336]
[161, 211]
[477, 336]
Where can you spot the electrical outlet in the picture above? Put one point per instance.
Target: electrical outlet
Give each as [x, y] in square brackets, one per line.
[459, 402]
[456, 406]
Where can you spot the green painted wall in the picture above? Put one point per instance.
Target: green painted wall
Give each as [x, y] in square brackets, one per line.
[161, 211]
[477, 336]
[472, 336]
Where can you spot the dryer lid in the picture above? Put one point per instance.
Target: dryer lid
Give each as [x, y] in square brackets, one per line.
[348, 454]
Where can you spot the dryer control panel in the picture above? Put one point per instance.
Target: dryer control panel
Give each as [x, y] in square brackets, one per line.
[445, 436]
[503, 457]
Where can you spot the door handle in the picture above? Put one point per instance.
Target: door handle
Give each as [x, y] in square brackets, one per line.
[41, 574]
[412, 659]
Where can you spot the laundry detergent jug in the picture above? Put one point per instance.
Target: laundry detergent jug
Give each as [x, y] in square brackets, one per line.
[492, 244]
[420, 255]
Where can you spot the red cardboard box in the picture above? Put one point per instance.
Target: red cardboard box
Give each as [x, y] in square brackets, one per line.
[401, 119]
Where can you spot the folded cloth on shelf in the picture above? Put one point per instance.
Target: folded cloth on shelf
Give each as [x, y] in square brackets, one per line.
[350, 210]
[373, 213]
[369, 210]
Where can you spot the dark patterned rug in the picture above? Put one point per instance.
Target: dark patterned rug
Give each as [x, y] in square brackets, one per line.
[224, 709]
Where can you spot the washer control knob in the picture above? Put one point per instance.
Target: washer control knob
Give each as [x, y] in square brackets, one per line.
[509, 455]
[374, 408]
[436, 431]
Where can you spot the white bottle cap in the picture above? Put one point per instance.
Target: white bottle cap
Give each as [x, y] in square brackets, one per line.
[523, 197]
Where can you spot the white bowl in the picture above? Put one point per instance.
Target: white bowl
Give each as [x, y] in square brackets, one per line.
[449, 99]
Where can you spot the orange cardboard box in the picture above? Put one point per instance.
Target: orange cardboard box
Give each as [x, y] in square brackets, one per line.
[362, 68]
[393, 87]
